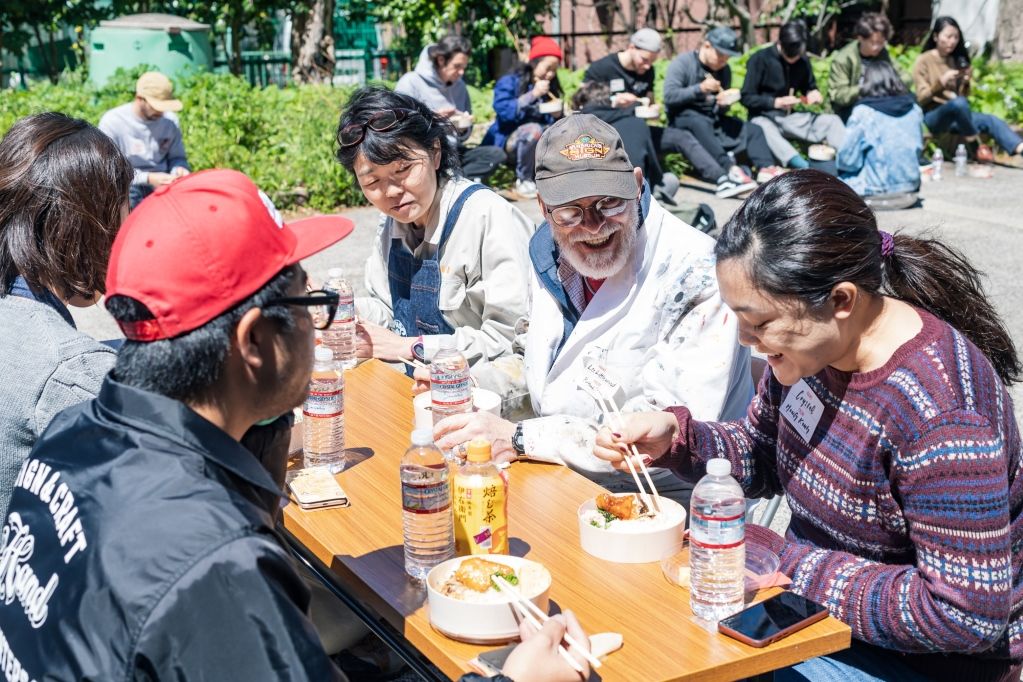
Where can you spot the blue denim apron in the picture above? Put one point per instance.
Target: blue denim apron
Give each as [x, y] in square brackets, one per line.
[415, 283]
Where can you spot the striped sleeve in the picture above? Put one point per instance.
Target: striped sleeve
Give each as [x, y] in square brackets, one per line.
[952, 487]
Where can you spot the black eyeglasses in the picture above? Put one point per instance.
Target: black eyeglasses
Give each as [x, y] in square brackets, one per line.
[572, 216]
[353, 133]
[322, 305]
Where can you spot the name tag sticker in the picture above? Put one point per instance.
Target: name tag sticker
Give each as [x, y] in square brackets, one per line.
[617, 85]
[599, 383]
[802, 409]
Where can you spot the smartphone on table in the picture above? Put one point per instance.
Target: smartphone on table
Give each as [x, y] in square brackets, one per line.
[491, 662]
[772, 619]
[316, 488]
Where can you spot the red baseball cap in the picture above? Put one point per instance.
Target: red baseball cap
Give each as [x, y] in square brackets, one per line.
[202, 244]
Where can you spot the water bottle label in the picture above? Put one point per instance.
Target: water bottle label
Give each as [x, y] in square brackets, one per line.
[345, 314]
[324, 404]
[450, 389]
[425, 498]
[717, 532]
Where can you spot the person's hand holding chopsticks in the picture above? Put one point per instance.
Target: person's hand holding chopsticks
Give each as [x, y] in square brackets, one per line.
[651, 432]
[537, 658]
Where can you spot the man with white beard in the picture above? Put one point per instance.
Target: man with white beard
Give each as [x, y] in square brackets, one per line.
[619, 286]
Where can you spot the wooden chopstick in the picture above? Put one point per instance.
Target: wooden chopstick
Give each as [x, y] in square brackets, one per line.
[415, 363]
[608, 407]
[536, 613]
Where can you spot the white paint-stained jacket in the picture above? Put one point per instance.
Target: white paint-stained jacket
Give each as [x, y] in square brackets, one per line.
[659, 326]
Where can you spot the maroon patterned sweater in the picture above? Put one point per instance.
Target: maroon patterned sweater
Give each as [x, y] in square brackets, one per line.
[906, 502]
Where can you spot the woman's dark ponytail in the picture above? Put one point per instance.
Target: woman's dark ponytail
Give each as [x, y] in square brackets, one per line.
[934, 276]
[804, 232]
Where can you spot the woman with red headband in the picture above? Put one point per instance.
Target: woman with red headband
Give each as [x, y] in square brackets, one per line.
[518, 97]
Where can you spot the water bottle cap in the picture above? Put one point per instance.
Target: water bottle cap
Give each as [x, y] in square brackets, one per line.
[335, 272]
[422, 437]
[719, 466]
[478, 450]
[323, 354]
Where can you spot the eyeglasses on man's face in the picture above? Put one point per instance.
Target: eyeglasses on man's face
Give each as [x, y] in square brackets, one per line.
[322, 305]
[572, 216]
[353, 133]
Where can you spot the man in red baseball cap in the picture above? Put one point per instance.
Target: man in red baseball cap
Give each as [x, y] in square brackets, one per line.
[145, 526]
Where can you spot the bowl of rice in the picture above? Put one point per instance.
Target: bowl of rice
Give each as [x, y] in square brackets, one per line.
[638, 539]
[464, 604]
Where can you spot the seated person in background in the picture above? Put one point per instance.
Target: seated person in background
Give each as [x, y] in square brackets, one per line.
[774, 76]
[63, 195]
[437, 83]
[695, 94]
[595, 99]
[450, 257]
[517, 98]
[146, 130]
[942, 76]
[884, 136]
[845, 77]
[629, 75]
[620, 284]
[901, 460]
[201, 588]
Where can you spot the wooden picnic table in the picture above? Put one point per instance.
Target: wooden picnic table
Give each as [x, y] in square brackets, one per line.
[358, 551]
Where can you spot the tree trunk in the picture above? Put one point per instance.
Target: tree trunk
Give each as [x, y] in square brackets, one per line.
[1009, 37]
[312, 43]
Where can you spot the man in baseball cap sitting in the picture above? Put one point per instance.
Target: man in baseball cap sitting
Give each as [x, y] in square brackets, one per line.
[620, 288]
[144, 526]
[147, 131]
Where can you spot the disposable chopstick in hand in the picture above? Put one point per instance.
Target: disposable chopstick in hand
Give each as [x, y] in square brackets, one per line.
[537, 617]
[609, 407]
[415, 363]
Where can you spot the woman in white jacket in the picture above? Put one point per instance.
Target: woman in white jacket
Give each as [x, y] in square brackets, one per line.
[450, 256]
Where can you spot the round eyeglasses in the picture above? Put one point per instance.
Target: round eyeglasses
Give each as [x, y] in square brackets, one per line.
[353, 133]
[572, 216]
[322, 305]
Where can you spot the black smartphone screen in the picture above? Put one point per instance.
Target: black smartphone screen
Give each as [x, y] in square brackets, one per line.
[495, 658]
[773, 615]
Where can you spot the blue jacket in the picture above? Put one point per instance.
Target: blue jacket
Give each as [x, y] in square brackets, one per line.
[509, 114]
[881, 150]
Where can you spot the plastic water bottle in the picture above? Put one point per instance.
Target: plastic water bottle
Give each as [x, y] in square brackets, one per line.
[426, 506]
[450, 388]
[960, 161]
[717, 544]
[937, 161]
[323, 437]
[340, 336]
[480, 498]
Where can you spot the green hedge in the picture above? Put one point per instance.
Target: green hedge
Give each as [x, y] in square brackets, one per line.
[284, 138]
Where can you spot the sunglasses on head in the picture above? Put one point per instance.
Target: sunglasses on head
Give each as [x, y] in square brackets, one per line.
[353, 133]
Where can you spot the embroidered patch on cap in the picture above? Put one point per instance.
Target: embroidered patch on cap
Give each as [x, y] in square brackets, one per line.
[585, 147]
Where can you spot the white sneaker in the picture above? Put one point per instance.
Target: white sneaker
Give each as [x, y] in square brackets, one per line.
[525, 189]
[769, 173]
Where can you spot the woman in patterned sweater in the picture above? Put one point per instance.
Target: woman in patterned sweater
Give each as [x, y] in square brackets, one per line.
[885, 420]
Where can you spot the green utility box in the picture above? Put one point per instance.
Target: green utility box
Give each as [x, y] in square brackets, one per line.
[174, 45]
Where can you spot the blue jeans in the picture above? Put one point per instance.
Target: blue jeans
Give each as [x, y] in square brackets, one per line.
[137, 193]
[957, 117]
[523, 143]
[858, 664]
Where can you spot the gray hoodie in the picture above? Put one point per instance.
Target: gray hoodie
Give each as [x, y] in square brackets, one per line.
[425, 85]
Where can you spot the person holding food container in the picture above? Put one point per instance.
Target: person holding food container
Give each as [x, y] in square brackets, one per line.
[450, 255]
[942, 75]
[698, 94]
[884, 418]
[779, 78]
[527, 101]
[622, 290]
[437, 82]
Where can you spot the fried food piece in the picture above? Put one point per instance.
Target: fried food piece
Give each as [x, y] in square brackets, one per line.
[620, 506]
[475, 573]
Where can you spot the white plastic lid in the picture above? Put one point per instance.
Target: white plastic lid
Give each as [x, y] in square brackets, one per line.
[324, 354]
[335, 272]
[422, 437]
[719, 466]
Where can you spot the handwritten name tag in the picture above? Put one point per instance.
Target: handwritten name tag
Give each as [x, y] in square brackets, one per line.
[802, 409]
[599, 382]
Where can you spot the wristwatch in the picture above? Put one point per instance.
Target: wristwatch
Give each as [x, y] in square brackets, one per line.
[518, 441]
